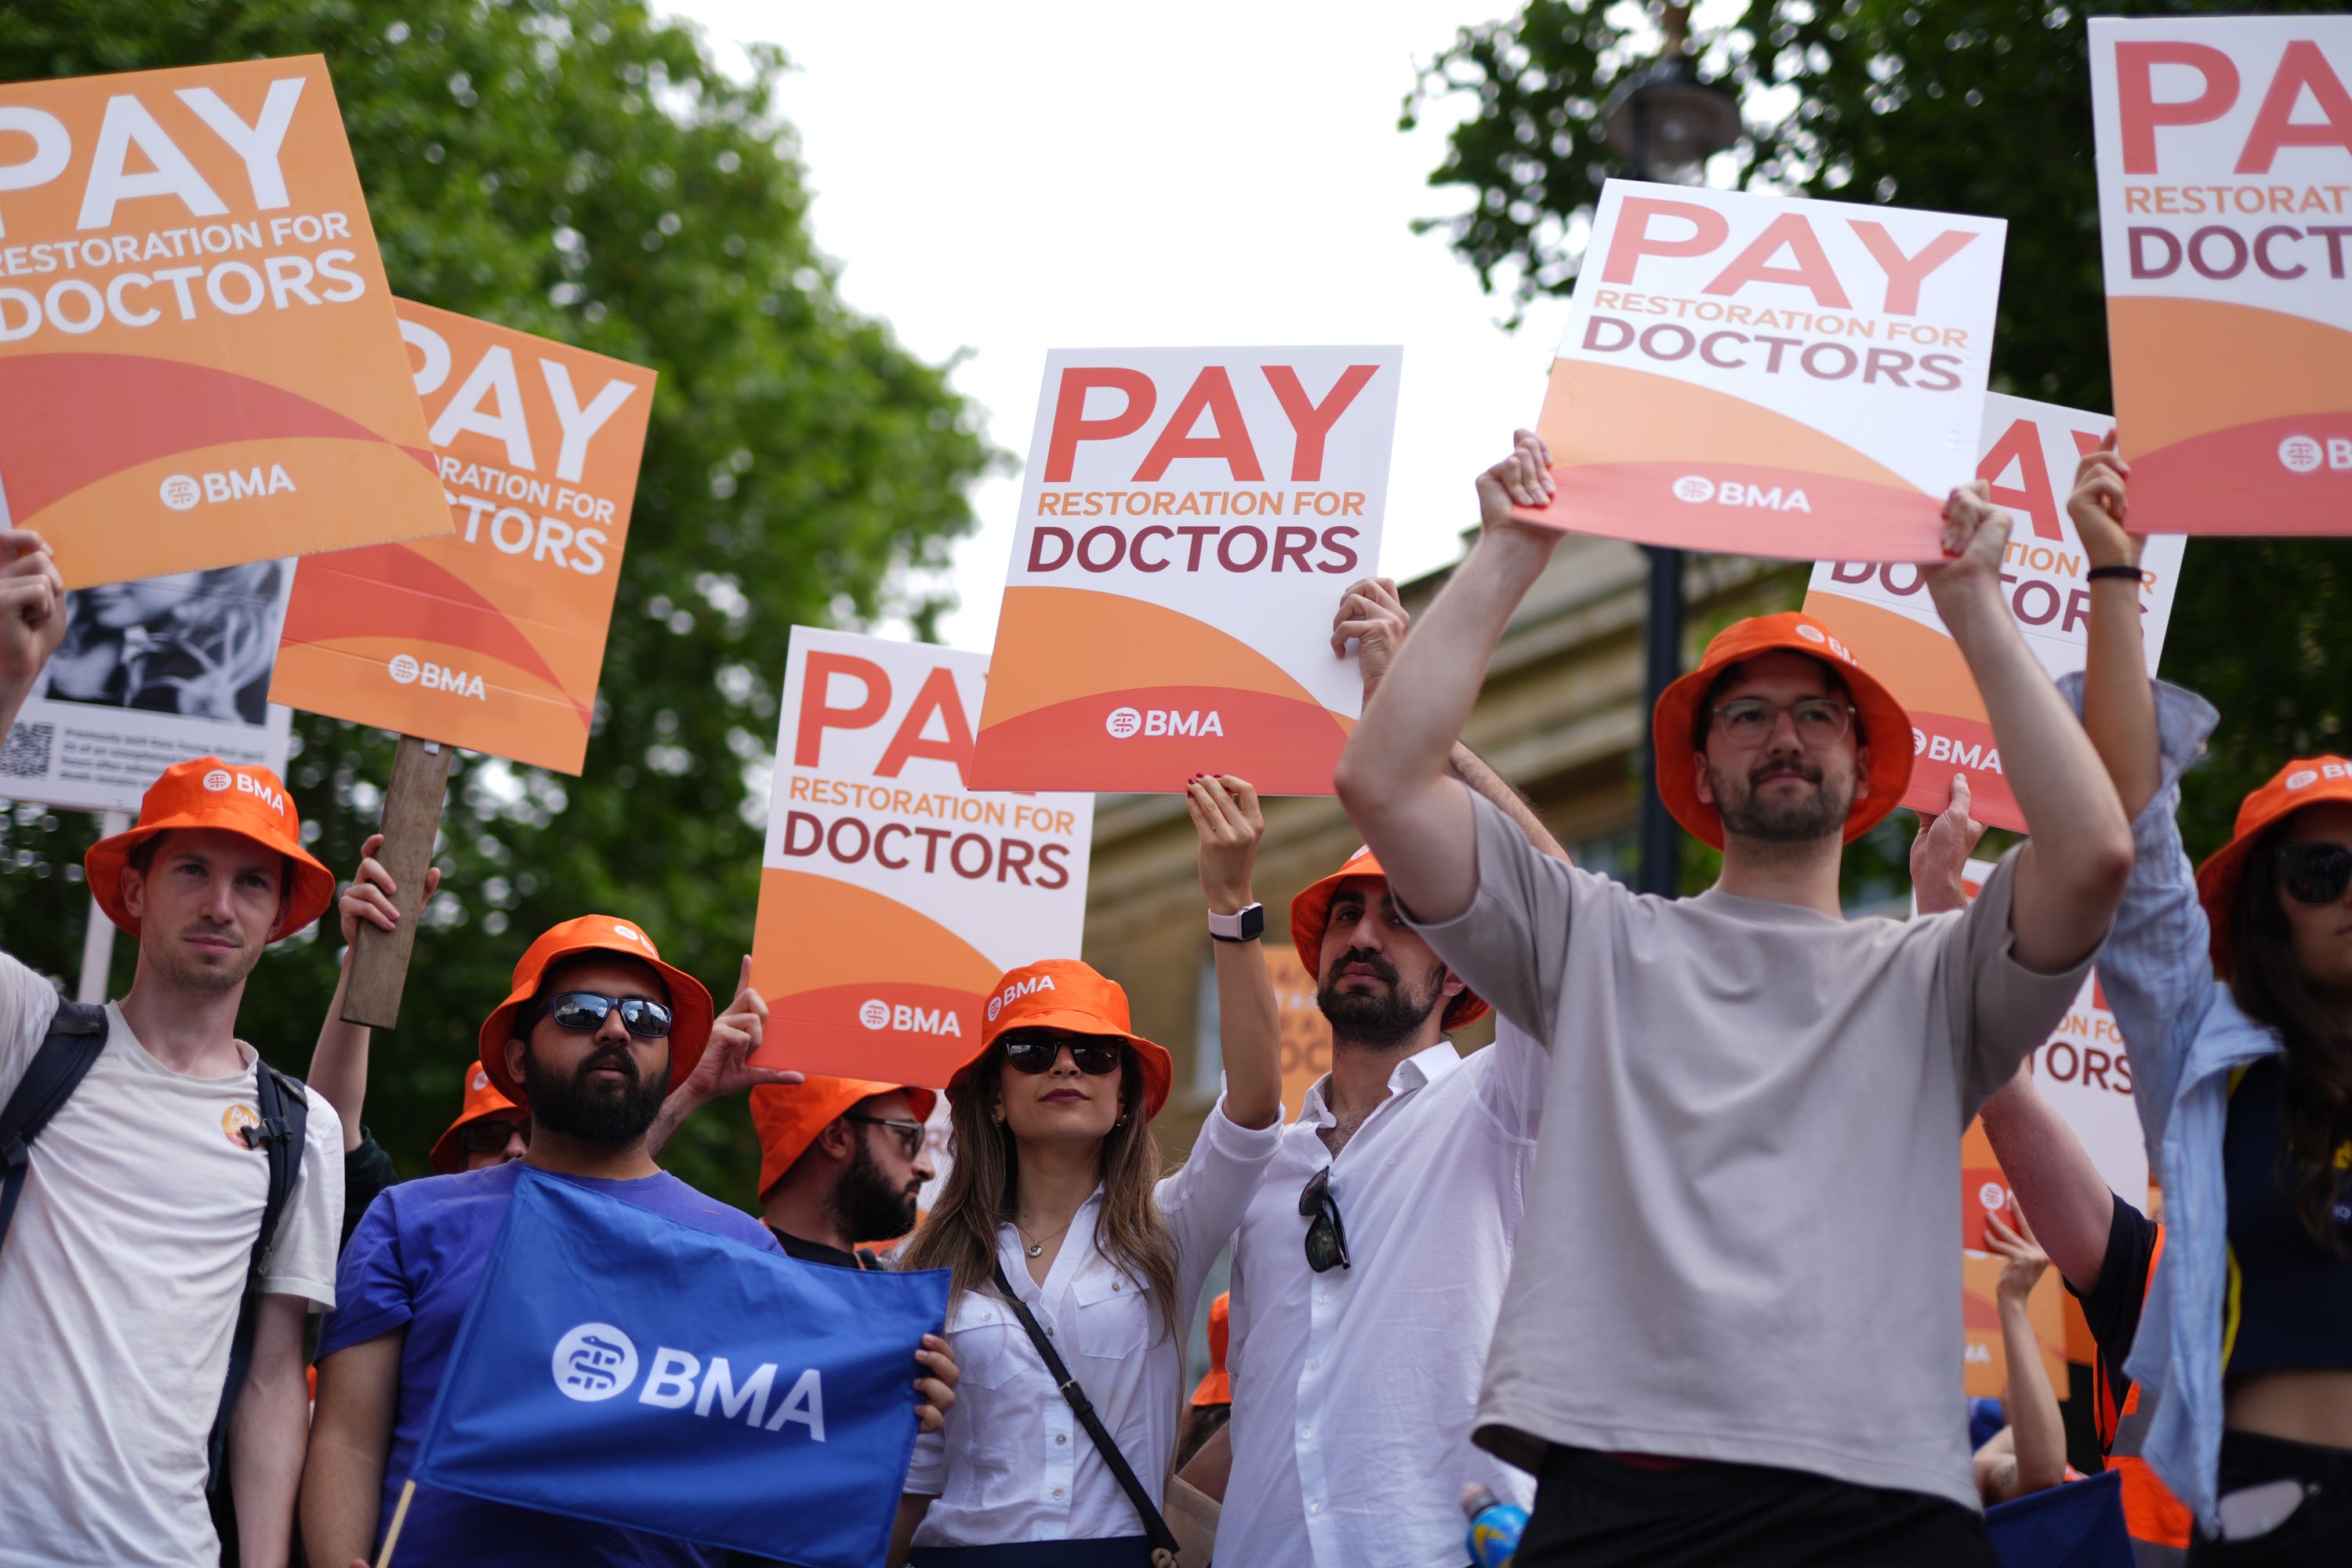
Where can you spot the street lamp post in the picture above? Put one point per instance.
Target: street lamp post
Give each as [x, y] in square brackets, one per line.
[1666, 123]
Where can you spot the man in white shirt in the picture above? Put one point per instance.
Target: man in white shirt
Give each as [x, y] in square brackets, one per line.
[1357, 1334]
[127, 1259]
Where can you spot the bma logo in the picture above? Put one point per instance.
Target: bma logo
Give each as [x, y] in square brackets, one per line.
[405, 669]
[2304, 778]
[409, 671]
[1694, 488]
[1017, 990]
[2300, 454]
[1122, 723]
[1992, 1197]
[594, 1362]
[874, 1014]
[878, 1014]
[219, 779]
[1126, 722]
[181, 492]
[629, 933]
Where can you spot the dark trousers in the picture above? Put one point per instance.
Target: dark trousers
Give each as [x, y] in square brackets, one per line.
[2319, 1531]
[1595, 1511]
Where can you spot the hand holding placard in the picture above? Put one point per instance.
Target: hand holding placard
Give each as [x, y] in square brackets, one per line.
[411, 819]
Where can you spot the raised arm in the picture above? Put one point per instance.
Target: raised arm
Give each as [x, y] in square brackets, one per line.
[1396, 777]
[1225, 815]
[724, 1066]
[32, 617]
[2038, 1434]
[338, 1062]
[2118, 701]
[1376, 619]
[2059, 1192]
[2071, 872]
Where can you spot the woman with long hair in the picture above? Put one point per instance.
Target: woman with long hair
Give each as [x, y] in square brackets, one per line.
[1055, 1196]
[2233, 990]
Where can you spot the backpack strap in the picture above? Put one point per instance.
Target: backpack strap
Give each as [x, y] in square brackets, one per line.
[66, 1054]
[285, 1117]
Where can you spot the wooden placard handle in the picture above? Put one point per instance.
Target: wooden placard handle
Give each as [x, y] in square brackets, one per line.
[412, 818]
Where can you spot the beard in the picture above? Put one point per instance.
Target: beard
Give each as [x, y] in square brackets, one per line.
[187, 973]
[608, 1115]
[866, 1205]
[1819, 813]
[1377, 1019]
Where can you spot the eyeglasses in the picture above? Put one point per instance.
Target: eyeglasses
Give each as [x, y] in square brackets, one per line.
[489, 1135]
[910, 1133]
[2315, 873]
[585, 1012]
[1033, 1054]
[1326, 1237]
[1750, 721]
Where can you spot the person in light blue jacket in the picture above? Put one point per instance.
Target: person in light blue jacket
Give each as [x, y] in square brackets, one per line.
[2233, 991]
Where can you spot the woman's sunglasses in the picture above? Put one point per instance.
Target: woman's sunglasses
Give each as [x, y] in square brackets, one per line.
[2315, 873]
[1037, 1054]
[585, 1012]
[1326, 1238]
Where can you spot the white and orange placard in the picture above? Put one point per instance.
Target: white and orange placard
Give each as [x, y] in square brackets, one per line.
[491, 638]
[199, 366]
[1188, 521]
[2225, 225]
[893, 893]
[1882, 611]
[1306, 1032]
[1741, 373]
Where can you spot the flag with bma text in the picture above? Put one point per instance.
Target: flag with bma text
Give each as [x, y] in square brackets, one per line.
[619, 1366]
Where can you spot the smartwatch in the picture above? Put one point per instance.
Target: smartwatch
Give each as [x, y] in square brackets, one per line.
[1248, 925]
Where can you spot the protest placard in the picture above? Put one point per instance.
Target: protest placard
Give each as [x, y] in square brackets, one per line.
[491, 637]
[198, 360]
[1793, 378]
[1306, 1032]
[893, 893]
[2225, 177]
[1187, 522]
[151, 673]
[1881, 609]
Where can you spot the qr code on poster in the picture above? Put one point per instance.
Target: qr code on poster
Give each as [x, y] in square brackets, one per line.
[26, 753]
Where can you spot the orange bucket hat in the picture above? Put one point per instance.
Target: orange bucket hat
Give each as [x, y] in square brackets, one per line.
[788, 1116]
[1884, 726]
[1064, 994]
[2306, 781]
[482, 1103]
[1310, 913]
[210, 793]
[1216, 1387]
[689, 1004]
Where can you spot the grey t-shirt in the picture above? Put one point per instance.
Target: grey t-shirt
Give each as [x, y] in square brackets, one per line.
[1740, 1240]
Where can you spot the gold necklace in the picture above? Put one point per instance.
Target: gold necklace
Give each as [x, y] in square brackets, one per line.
[1037, 1249]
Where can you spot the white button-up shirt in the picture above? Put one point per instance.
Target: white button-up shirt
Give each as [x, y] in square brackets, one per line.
[1012, 1464]
[1354, 1390]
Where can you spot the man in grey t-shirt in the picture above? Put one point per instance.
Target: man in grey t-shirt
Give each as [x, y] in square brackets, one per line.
[1731, 1333]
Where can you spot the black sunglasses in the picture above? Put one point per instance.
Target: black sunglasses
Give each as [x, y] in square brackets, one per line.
[1326, 1237]
[2315, 873]
[910, 1133]
[489, 1135]
[585, 1012]
[1037, 1053]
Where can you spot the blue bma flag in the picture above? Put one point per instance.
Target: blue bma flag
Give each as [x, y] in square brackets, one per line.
[619, 1366]
[2079, 1525]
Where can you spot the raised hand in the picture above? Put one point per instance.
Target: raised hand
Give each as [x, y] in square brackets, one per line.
[2100, 506]
[1940, 851]
[370, 893]
[1225, 815]
[2023, 1261]
[32, 606]
[1523, 478]
[1371, 612]
[726, 1067]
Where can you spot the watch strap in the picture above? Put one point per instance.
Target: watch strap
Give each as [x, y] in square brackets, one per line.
[1242, 925]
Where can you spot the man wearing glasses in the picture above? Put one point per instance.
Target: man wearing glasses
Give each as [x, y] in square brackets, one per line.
[1728, 1336]
[841, 1164]
[1371, 1265]
[597, 1031]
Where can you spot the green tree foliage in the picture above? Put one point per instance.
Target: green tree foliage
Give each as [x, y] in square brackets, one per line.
[1960, 105]
[577, 168]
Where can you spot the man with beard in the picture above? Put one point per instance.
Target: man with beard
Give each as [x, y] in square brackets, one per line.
[1369, 1269]
[840, 1165]
[595, 1034]
[1728, 1336]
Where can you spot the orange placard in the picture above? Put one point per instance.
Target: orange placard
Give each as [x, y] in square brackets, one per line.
[892, 894]
[199, 364]
[1880, 610]
[2225, 174]
[491, 638]
[1741, 373]
[1188, 520]
[1305, 1033]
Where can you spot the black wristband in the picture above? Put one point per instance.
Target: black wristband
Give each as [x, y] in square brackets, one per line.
[2096, 573]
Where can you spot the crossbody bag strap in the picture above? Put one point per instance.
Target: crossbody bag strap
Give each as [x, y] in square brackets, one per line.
[67, 1052]
[1163, 1540]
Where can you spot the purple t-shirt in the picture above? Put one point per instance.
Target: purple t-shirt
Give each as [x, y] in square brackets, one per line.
[413, 1263]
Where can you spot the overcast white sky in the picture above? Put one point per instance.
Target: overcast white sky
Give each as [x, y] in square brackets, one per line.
[1006, 179]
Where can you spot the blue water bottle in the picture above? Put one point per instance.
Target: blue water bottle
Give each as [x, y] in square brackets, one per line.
[1496, 1527]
